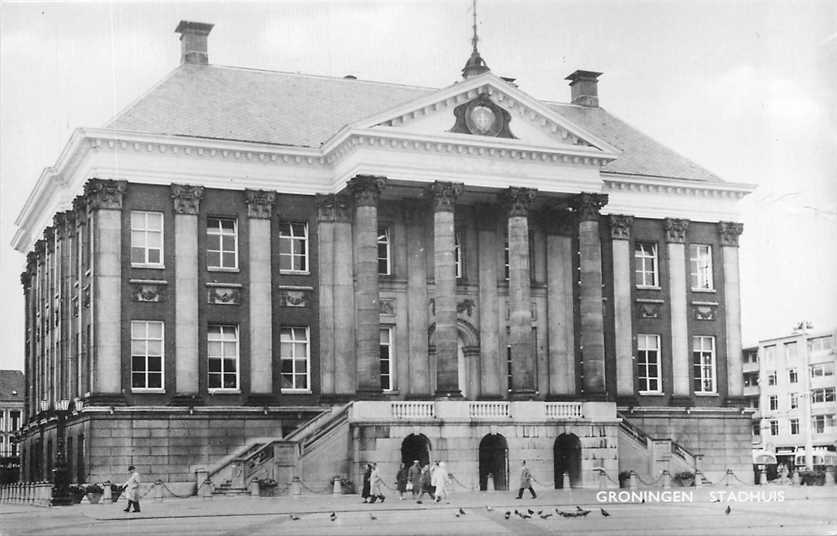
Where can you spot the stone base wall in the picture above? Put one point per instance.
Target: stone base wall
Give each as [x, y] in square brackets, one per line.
[458, 446]
[721, 435]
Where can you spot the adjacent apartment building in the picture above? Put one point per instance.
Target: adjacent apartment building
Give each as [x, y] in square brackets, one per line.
[263, 268]
[797, 398]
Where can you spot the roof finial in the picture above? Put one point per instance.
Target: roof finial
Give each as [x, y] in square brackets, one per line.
[475, 64]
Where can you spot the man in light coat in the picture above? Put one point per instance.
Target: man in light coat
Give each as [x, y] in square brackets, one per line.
[131, 489]
[439, 479]
[525, 481]
[376, 482]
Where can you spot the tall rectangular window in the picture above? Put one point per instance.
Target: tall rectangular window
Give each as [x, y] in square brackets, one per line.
[648, 363]
[820, 344]
[774, 402]
[703, 361]
[387, 361]
[146, 355]
[774, 428]
[506, 260]
[457, 254]
[790, 351]
[384, 252]
[794, 426]
[818, 424]
[793, 375]
[146, 238]
[509, 367]
[794, 400]
[293, 247]
[222, 356]
[770, 355]
[294, 351]
[222, 243]
[771, 378]
[700, 264]
[646, 264]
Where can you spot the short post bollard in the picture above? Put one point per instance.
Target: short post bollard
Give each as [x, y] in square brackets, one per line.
[489, 484]
[796, 479]
[107, 495]
[829, 475]
[158, 490]
[632, 481]
[666, 479]
[295, 486]
[602, 479]
[566, 481]
[698, 479]
[763, 477]
[337, 487]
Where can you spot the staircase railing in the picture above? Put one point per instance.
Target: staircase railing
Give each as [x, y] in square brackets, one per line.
[634, 431]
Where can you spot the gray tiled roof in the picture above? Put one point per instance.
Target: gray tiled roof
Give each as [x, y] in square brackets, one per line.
[305, 110]
[11, 386]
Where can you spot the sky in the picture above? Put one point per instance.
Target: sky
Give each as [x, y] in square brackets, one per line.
[748, 89]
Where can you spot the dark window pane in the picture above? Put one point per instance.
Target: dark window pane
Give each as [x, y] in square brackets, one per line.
[138, 380]
[155, 364]
[155, 380]
[214, 365]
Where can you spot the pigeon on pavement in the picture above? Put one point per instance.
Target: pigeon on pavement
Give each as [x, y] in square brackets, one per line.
[531, 512]
[333, 516]
[461, 511]
[372, 517]
[545, 516]
[508, 514]
[728, 510]
[295, 517]
[605, 513]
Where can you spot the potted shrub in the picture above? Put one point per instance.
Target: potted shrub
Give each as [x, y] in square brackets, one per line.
[267, 487]
[94, 493]
[686, 479]
[347, 487]
[812, 478]
[76, 493]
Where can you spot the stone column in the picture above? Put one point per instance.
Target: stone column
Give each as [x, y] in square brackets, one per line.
[38, 368]
[418, 365]
[49, 317]
[104, 197]
[587, 207]
[487, 245]
[444, 270]
[620, 233]
[65, 223]
[676, 249]
[259, 212]
[730, 231]
[560, 279]
[345, 362]
[517, 202]
[82, 359]
[326, 261]
[366, 191]
[186, 200]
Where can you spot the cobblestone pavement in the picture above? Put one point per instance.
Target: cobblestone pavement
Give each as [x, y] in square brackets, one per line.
[804, 511]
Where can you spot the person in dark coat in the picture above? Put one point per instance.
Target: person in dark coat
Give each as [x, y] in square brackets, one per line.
[366, 484]
[401, 480]
[414, 477]
[426, 485]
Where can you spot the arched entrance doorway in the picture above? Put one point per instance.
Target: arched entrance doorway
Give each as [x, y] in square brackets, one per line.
[415, 447]
[567, 458]
[494, 459]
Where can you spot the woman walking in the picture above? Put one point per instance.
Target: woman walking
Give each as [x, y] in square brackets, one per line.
[401, 480]
[366, 483]
[414, 478]
[376, 483]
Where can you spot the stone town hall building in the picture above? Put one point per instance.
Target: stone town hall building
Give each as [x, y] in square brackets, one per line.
[258, 273]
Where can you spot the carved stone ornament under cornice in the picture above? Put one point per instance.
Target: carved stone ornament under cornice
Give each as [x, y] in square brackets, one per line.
[65, 223]
[186, 198]
[620, 226]
[260, 203]
[730, 231]
[104, 193]
[26, 280]
[444, 195]
[517, 201]
[481, 116]
[80, 208]
[49, 236]
[333, 208]
[40, 246]
[366, 189]
[587, 205]
[676, 230]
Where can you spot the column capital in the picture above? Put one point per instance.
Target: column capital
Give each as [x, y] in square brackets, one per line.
[333, 208]
[730, 231]
[26, 280]
[31, 261]
[556, 221]
[104, 193]
[40, 247]
[366, 189]
[65, 223]
[444, 195]
[676, 230]
[620, 226]
[80, 208]
[49, 236]
[587, 205]
[517, 201]
[186, 198]
[259, 203]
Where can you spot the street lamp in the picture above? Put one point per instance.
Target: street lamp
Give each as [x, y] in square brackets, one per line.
[60, 491]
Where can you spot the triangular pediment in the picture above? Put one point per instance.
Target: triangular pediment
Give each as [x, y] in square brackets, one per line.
[487, 107]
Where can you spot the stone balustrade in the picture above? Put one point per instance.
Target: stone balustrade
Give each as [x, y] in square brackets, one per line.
[481, 411]
[564, 410]
[488, 410]
[32, 493]
[413, 410]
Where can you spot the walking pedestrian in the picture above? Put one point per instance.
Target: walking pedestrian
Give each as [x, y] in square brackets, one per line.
[401, 480]
[366, 483]
[439, 479]
[131, 489]
[376, 483]
[426, 482]
[414, 478]
[525, 481]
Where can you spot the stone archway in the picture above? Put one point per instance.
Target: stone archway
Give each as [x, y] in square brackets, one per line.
[494, 460]
[567, 459]
[468, 348]
[415, 447]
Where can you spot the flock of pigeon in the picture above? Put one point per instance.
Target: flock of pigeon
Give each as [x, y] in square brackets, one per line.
[528, 514]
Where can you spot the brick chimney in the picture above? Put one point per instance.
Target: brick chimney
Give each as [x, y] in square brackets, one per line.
[585, 90]
[193, 41]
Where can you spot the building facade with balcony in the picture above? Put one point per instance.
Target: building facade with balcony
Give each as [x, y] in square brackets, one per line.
[12, 389]
[752, 393]
[797, 398]
[245, 259]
